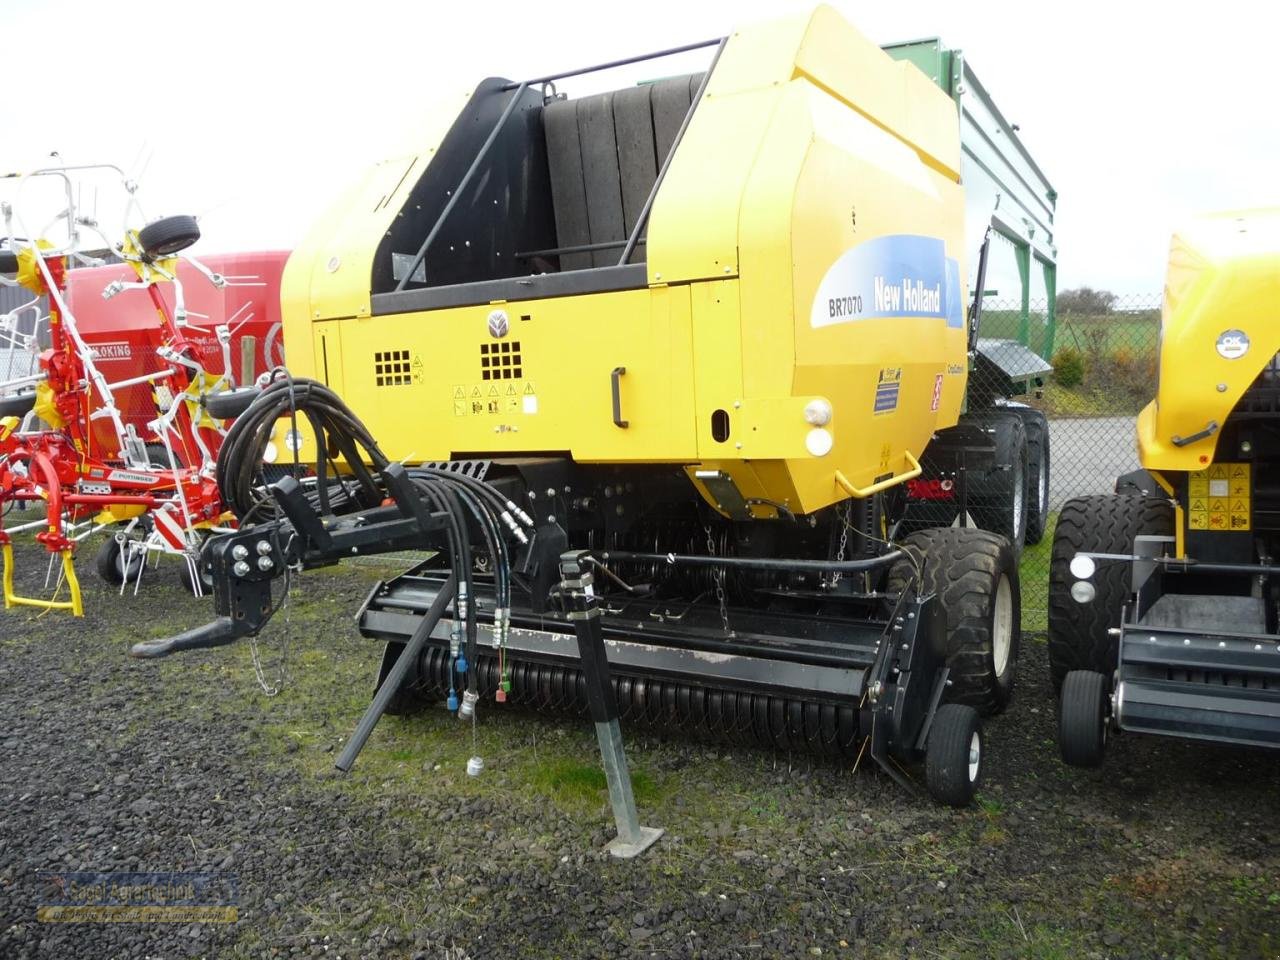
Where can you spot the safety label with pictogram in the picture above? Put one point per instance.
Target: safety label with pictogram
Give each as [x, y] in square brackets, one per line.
[475, 399]
[1219, 498]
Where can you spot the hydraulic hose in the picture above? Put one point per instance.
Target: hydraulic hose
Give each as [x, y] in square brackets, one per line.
[338, 432]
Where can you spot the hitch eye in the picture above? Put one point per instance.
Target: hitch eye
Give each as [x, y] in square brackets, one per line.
[1083, 567]
[1082, 591]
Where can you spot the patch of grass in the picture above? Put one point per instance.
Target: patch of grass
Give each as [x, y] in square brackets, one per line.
[1033, 574]
[571, 783]
[1006, 930]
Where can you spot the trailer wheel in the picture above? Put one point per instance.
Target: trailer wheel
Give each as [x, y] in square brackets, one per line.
[167, 236]
[1079, 637]
[1037, 430]
[111, 565]
[998, 499]
[1082, 718]
[953, 761]
[974, 575]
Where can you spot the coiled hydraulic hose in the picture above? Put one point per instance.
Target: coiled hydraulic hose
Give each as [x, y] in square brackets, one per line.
[338, 431]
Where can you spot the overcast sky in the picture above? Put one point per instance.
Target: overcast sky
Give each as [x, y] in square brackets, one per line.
[254, 115]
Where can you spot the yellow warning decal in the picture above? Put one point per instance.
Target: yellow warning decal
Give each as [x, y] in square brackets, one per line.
[475, 399]
[1219, 498]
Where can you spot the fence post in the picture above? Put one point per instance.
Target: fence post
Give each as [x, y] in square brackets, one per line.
[1022, 252]
[1051, 308]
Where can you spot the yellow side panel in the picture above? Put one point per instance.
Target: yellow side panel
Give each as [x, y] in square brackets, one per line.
[693, 229]
[1218, 331]
[717, 364]
[553, 389]
[328, 355]
[892, 94]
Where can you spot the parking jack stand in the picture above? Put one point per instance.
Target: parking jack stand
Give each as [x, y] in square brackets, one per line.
[584, 613]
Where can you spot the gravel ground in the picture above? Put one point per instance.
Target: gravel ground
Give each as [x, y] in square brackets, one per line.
[112, 764]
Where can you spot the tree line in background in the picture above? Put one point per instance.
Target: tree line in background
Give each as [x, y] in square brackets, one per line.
[1105, 352]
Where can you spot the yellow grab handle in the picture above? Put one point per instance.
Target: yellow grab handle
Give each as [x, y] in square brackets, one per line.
[863, 492]
[11, 599]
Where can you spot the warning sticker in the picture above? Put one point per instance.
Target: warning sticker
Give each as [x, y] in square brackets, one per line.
[1219, 498]
[474, 400]
[937, 393]
[887, 389]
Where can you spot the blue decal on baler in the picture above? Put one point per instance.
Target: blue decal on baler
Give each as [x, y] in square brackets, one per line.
[901, 275]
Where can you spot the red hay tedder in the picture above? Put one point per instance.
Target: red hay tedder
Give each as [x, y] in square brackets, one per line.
[116, 422]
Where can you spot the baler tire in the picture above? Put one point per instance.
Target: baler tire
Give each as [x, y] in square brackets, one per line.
[1079, 633]
[1037, 429]
[109, 562]
[953, 761]
[997, 500]
[974, 575]
[8, 261]
[167, 236]
[1082, 719]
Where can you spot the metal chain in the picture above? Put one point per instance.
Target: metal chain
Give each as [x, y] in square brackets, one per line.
[844, 545]
[718, 576]
[271, 689]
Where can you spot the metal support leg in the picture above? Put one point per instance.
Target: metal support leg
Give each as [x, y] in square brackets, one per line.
[584, 612]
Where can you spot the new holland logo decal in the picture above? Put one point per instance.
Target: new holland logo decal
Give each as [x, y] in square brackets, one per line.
[498, 325]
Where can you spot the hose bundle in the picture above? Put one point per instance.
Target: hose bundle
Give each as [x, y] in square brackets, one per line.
[338, 433]
[468, 505]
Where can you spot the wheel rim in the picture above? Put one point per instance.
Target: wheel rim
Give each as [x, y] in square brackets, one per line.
[1002, 626]
[1042, 489]
[975, 756]
[1019, 499]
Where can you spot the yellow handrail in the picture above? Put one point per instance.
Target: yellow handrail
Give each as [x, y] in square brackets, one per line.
[863, 492]
[11, 599]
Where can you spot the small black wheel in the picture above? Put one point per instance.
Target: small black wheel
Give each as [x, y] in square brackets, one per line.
[111, 565]
[1082, 718]
[158, 457]
[8, 261]
[185, 578]
[953, 761]
[167, 236]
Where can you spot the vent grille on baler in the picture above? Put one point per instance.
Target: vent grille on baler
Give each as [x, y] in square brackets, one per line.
[500, 361]
[391, 368]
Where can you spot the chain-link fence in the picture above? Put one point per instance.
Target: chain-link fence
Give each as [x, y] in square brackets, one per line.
[1104, 352]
